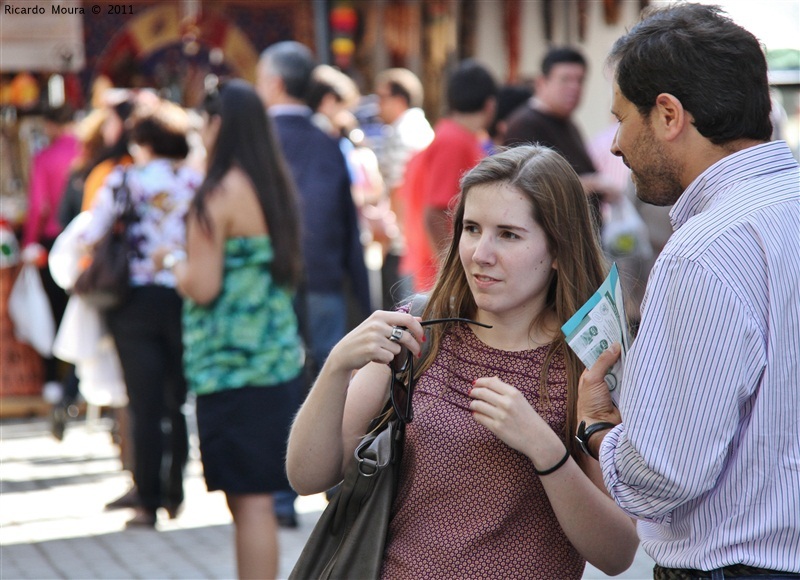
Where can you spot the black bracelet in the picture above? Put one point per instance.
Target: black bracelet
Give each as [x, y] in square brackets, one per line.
[554, 468]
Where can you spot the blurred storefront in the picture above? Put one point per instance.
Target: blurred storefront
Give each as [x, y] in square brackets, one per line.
[64, 55]
[64, 50]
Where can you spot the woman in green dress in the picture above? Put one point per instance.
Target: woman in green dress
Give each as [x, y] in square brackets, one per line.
[243, 353]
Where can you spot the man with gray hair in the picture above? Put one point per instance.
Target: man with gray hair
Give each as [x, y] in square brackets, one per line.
[331, 242]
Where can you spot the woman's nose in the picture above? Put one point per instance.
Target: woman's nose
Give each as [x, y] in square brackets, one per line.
[484, 250]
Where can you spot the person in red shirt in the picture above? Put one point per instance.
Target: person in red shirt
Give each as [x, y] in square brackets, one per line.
[433, 176]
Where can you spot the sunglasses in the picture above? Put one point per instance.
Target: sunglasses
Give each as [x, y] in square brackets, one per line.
[402, 388]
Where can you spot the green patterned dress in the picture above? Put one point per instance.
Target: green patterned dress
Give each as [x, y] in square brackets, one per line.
[248, 336]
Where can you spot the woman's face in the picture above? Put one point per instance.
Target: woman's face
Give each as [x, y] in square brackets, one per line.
[504, 252]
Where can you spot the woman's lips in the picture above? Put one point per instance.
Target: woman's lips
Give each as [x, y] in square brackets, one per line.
[484, 281]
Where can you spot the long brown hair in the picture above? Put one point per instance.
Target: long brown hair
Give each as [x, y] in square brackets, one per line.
[560, 207]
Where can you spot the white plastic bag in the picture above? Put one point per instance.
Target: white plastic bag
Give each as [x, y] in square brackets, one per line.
[29, 309]
[83, 339]
[624, 232]
[101, 381]
[65, 255]
[80, 332]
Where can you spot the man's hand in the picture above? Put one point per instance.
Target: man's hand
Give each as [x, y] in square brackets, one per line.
[594, 400]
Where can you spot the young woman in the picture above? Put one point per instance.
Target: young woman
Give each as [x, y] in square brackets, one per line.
[494, 410]
[243, 356]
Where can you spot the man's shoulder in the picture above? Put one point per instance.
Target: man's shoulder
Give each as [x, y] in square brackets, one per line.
[530, 124]
[298, 135]
[291, 125]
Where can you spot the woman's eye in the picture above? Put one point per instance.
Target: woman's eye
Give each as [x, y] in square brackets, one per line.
[509, 235]
[471, 229]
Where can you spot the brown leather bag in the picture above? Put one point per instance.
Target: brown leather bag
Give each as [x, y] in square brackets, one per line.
[350, 535]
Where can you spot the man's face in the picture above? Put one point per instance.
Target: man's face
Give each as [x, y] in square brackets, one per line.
[390, 106]
[655, 173]
[561, 90]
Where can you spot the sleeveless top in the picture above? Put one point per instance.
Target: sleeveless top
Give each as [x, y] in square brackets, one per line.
[468, 505]
[248, 336]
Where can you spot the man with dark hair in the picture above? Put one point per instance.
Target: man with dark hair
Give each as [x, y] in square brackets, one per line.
[332, 248]
[509, 98]
[547, 119]
[704, 448]
[434, 175]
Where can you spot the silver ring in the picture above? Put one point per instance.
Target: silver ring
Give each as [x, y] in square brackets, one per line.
[397, 334]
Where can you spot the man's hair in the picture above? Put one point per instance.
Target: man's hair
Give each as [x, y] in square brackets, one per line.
[469, 87]
[561, 55]
[402, 83]
[714, 67]
[327, 80]
[61, 115]
[509, 97]
[293, 63]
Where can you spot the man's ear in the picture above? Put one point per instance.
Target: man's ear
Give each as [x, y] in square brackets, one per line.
[669, 117]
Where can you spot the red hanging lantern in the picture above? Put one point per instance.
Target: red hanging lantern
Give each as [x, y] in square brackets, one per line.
[343, 20]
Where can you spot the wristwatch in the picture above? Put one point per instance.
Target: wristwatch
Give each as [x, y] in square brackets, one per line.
[169, 261]
[584, 433]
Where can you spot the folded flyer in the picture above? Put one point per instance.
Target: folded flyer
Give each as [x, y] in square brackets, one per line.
[597, 325]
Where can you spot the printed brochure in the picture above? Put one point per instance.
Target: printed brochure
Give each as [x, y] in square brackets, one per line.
[597, 325]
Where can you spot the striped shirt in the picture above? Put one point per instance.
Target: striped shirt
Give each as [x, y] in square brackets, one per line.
[708, 454]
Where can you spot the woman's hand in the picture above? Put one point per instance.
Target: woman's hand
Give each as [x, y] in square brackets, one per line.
[340, 406]
[371, 341]
[505, 411]
[158, 256]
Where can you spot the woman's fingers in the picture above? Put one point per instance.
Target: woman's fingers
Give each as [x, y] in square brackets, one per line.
[380, 338]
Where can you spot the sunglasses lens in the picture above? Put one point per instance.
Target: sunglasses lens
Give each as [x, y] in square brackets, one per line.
[400, 362]
[399, 398]
[401, 377]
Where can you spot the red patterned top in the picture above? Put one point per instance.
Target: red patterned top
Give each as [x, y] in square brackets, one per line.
[468, 505]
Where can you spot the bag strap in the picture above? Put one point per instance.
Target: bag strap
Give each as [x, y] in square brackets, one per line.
[123, 203]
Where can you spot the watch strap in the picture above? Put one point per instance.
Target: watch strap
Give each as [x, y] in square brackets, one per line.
[585, 433]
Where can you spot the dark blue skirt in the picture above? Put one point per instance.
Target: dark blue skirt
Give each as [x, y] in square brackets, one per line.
[243, 435]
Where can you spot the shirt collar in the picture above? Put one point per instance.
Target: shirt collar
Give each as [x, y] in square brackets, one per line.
[289, 109]
[739, 166]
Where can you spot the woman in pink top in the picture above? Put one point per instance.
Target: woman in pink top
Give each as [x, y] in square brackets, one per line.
[48, 179]
[491, 482]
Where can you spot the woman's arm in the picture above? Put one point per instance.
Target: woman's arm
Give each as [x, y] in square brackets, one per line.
[338, 410]
[595, 525]
[199, 276]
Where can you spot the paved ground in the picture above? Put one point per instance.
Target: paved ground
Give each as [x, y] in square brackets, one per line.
[52, 523]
